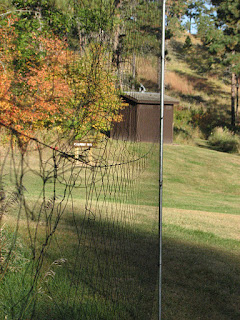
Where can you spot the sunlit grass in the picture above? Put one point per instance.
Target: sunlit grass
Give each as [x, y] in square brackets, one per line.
[200, 244]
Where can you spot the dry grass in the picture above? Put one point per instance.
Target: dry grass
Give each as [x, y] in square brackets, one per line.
[193, 38]
[179, 84]
[223, 225]
[147, 71]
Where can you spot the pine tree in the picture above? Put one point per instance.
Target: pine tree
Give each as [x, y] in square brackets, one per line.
[227, 21]
[194, 11]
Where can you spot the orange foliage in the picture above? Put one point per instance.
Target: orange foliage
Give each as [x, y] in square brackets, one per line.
[57, 88]
[44, 90]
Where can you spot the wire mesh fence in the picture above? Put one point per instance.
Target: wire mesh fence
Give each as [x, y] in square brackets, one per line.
[71, 246]
[76, 241]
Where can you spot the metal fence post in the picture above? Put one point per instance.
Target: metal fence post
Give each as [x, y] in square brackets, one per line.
[161, 155]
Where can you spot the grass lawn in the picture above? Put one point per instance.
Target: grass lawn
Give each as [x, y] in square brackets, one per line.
[195, 179]
[201, 245]
[110, 245]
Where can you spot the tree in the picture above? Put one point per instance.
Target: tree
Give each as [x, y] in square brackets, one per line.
[32, 87]
[194, 11]
[175, 11]
[223, 38]
[44, 84]
[95, 101]
[141, 30]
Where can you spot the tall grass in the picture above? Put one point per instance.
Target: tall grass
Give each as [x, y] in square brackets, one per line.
[224, 140]
[147, 72]
[178, 84]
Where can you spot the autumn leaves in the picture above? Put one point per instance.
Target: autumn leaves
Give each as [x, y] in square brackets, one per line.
[45, 84]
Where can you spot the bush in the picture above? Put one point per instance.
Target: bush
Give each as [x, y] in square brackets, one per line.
[207, 120]
[224, 140]
[187, 43]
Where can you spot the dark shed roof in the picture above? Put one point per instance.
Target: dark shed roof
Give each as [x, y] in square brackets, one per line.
[148, 98]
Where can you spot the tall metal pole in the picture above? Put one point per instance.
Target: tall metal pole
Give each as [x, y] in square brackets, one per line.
[161, 155]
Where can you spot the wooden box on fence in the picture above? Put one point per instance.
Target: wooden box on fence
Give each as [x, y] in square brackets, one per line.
[83, 151]
[141, 118]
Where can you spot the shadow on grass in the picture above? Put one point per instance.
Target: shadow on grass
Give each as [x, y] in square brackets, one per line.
[197, 57]
[203, 84]
[110, 273]
[199, 283]
[191, 98]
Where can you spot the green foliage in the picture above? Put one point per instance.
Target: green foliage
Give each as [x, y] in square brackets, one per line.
[224, 37]
[5, 4]
[194, 12]
[141, 25]
[95, 102]
[224, 140]
[187, 43]
[42, 16]
[207, 120]
[46, 77]
[92, 16]
[182, 129]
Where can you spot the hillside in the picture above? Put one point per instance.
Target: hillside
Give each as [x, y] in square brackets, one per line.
[204, 92]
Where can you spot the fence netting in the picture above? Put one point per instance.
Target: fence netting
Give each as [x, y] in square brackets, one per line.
[77, 240]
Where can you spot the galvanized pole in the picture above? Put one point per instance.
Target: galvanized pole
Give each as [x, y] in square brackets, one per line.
[161, 155]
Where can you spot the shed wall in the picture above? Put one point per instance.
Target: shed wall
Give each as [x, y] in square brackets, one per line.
[127, 128]
[148, 123]
[141, 119]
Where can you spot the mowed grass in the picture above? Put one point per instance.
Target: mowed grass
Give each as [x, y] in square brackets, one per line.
[201, 228]
[194, 179]
[108, 246]
[201, 245]
[201, 179]
[110, 269]
[201, 232]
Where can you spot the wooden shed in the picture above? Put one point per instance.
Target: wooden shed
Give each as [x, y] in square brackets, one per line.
[141, 118]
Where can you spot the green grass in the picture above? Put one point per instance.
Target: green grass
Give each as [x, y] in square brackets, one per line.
[208, 180]
[199, 281]
[110, 275]
[201, 245]
[110, 271]
[194, 178]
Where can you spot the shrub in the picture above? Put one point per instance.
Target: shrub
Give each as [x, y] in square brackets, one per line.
[187, 43]
[207, 120]
[224, 140]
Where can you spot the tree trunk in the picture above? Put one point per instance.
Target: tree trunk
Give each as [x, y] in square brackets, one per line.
[233, 99]
[133, 70]
[190, 25]
[116, 59]
[159, 62]
[237, 97]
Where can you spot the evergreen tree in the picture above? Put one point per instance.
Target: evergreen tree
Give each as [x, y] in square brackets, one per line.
[225, 41]
[194, 11]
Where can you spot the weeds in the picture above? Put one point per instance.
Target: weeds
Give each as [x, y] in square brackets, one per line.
[224, 140]
[13, 252]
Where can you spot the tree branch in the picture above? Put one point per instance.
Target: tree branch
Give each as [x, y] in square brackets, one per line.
[3, 66]
[9, 12]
